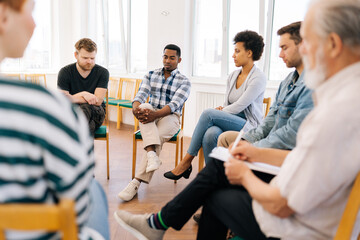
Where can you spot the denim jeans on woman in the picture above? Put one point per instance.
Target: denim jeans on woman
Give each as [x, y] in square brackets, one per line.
[211, 124]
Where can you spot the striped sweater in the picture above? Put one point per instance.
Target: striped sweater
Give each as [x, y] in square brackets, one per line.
[45, 151]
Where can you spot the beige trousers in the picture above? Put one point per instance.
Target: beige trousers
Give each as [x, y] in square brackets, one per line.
[227, 138]
[156, 133]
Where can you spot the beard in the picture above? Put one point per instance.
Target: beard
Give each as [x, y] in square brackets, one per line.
[86, 67]
[315, 77]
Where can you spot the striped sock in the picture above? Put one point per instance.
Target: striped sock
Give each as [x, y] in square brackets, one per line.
[156, 222]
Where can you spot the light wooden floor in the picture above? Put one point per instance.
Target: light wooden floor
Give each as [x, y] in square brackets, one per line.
[150, 197]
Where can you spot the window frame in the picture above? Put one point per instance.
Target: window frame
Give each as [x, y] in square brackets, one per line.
[266, 16]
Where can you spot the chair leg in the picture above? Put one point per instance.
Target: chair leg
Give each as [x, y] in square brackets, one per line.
[176, 154]
[119, 117]
[107, 156]
[201, 159]
[134, 157]
[181, 148]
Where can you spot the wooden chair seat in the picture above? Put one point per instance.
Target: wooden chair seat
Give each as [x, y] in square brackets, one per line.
[32, 217]
[116, 102]
[126, 104]
[101, 132]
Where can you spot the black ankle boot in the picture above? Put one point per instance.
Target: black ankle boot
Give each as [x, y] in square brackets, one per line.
[172, 176]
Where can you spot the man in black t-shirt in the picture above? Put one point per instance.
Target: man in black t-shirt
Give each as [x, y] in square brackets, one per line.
[85, 83]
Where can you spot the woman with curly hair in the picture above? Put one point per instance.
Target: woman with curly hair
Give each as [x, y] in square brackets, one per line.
[243, 103]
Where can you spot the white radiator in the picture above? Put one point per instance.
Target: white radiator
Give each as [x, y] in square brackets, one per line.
[205, 100]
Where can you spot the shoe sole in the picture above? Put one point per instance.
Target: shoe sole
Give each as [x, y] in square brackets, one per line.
[125, 200]
[130, 229]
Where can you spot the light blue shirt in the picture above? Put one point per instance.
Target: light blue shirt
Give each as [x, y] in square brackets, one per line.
[292, 103]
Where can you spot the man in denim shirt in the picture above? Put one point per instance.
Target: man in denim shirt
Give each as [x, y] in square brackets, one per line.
[292, 103]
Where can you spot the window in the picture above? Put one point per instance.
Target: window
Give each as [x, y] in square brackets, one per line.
[139, 33]
[285, 12]
[208, 38]
[38, 53]
[244, 15]
[120, 33]
[117, 36]
[97, 26]
[214, 32]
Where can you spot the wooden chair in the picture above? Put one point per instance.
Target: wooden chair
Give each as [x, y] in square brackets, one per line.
[266, 106]
[113, 88]
[350, 213]
[177, 139]
[128, 90]
[103, 134]
[51, 218]
[36, 78]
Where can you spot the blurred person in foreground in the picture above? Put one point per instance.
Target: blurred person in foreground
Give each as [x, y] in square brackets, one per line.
[46, 152]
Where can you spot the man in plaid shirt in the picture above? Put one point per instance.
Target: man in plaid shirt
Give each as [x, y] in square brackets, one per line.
[160, 118]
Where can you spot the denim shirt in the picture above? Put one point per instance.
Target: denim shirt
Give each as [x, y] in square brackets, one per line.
[292, 103]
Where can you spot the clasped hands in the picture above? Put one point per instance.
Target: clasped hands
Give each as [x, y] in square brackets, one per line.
[91, 99]
[236, 170]
[144, 115]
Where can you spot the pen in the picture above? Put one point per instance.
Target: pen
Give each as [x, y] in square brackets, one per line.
[237, 140]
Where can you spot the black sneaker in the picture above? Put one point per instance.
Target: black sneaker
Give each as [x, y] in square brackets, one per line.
[197, 217]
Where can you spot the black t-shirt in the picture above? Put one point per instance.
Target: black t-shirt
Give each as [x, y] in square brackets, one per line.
[69, 79]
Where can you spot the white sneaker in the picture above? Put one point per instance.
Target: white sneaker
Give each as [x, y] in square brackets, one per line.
[138, 226]
[153, 162]
[130, 191]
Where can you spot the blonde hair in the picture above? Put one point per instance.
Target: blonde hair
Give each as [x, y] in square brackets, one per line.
[87, 44]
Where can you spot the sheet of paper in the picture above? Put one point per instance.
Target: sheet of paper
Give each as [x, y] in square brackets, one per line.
[223, 154]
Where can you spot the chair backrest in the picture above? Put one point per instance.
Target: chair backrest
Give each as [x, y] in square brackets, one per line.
[36, 78]
[16, 76]
[113, 87]
[29, 217]
[266, 104]
[350, 213]
[182, 116]
[127, 88]
[137, 85]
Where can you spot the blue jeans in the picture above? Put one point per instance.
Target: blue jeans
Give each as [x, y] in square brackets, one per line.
[98, 218]
[211, 124]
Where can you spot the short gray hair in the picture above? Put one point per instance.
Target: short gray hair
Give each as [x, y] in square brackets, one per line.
[341, 17]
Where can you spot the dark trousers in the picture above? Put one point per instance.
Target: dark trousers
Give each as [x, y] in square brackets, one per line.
[95, 116]
[224, 206]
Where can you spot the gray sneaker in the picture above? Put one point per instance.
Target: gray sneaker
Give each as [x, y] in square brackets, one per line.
[138, 226]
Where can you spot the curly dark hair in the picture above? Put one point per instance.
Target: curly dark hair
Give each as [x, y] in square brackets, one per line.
[252, 41]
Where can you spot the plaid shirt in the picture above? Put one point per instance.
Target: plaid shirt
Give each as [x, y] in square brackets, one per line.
[172, 92]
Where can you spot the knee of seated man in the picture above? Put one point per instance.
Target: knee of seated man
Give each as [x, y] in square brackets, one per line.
[226, 138]
[146, 106]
